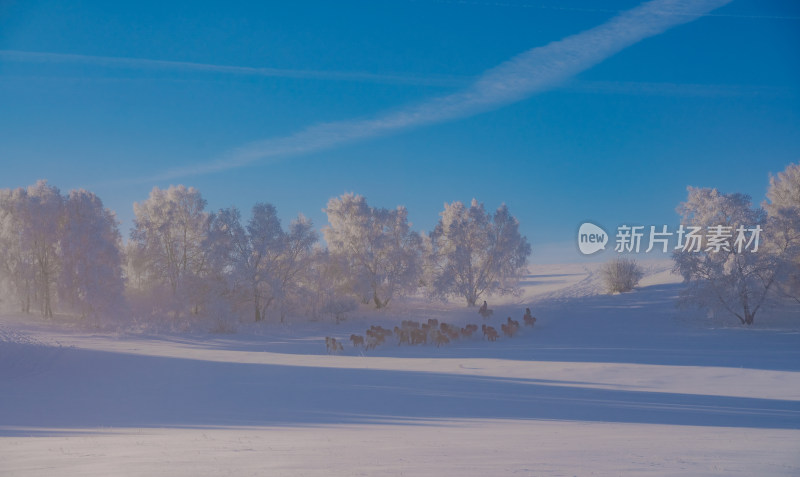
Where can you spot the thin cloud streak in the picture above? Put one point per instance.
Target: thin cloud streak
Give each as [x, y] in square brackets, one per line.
[674, 89]
[161, 65]
[536, 70]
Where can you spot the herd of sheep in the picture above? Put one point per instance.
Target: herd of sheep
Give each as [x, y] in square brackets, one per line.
[415, 333]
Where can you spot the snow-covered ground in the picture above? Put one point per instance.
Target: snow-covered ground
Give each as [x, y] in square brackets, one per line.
[602, 385]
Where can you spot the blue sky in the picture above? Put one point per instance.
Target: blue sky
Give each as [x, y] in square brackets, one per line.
[406, 102]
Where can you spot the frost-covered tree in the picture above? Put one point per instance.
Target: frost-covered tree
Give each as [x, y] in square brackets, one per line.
[90, 278]
[266, 242]
[17, 271]
[261, 264]
[228, 287]
[783, 208]
[381, 255]
[784, 190]
[294, 263]
[735, 278]
[227, 247]
[42, 215]
[621, 275]
[474, 254]
[170, 230]
[325, 290]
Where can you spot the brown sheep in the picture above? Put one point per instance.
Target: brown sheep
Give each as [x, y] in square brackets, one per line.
[403, 335]
[451, 331]
[468, 330]
[373, 341]
[357, 340]
[419, 337]
[332, 345]
[440, 338]
[510, 328]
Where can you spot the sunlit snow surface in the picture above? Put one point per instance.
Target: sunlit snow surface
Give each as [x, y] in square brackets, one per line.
[603, 385]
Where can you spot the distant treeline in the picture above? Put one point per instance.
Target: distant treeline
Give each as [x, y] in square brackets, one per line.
[65, 254]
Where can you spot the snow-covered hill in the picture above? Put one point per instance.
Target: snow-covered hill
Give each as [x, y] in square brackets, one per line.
[602, 385]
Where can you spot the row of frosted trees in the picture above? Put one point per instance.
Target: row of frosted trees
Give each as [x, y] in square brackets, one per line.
[64, 253]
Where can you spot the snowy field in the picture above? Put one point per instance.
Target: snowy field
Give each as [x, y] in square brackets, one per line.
[602, 385]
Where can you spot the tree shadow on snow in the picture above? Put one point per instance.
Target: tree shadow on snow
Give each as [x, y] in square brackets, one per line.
[88, 389]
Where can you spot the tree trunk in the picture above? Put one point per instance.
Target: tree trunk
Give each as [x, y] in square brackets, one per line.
[378, 303]
[257, 304]
[26, 304]
[47, 311]
[748, 317]
[748, 314]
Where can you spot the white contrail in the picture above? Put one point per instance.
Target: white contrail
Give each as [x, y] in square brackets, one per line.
[533, 71]
[144, 63]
